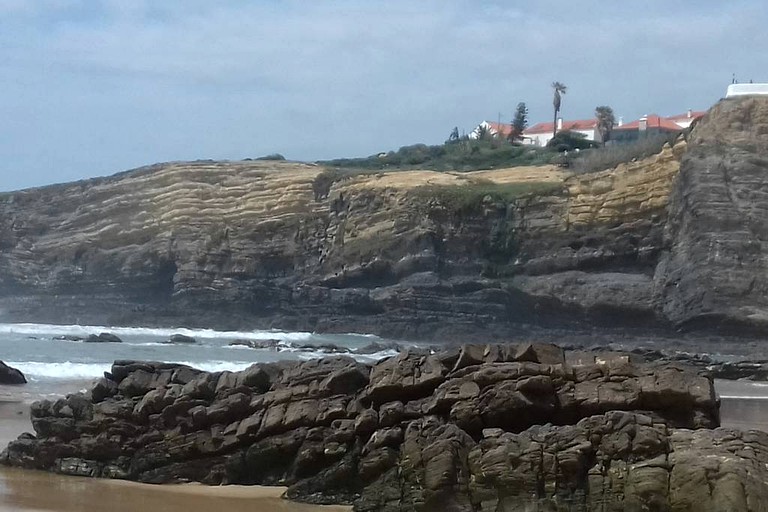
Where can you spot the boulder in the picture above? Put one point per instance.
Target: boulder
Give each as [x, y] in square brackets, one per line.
[104, 337]
[10, 375]
[181, 338]
[68, 337]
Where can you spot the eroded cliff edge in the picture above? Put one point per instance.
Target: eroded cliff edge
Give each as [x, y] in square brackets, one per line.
[672, 240]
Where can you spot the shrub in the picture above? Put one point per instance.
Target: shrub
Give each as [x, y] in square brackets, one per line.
[462, 155]
[273, 156]
[568, 141]
[600, 159]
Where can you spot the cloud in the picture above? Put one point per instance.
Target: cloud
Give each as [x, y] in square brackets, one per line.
[93, 87]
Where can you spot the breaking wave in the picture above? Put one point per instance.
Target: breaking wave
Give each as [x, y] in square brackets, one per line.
[78, 371]
[85, 330]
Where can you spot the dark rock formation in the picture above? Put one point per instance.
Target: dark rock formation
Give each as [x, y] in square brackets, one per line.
[317, 348]
[104, 337]
[68, 337]
[481, 427]
[181, 338]
[10, 375]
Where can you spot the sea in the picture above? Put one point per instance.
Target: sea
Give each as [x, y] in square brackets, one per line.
[56, 361]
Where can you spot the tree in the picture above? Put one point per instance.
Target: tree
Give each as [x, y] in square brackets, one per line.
[605, 122]
[454, 136]
[483, 132]
[519, 122]
[559, 90]
[566, 140]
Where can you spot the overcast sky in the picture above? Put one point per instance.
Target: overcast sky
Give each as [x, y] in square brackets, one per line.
[92, 87]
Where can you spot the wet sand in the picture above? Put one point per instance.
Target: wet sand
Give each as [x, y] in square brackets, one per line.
[37, 491]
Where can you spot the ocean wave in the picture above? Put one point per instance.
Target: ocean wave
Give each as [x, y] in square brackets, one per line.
[85, 330]
[64, 370]
[363, 358]
[74, 371]
[743, 397]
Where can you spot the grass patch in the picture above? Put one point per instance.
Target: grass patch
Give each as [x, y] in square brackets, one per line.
[470, 197]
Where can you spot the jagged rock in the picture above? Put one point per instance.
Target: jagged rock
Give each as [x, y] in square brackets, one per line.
[376, 347]
[482, 427]
[10, 375]
[257, 344]
[68, 337]
[104, 337]
[181, 338]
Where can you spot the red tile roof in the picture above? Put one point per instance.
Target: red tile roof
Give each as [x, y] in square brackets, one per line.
[582, 124]
[654, 121]
[695, 114]
[503, 129]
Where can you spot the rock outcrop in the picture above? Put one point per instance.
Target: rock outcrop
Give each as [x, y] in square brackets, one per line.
[10, 375]
[104, 337]
[481, 427]
[714, 272]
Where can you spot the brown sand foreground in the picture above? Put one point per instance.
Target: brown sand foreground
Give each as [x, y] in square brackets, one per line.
[28, 491]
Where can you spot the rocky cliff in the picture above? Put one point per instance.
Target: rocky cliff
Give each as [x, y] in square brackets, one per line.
[675, 239]
[483, 427]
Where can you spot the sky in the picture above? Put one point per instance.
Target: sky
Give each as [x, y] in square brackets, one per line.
[92, 87]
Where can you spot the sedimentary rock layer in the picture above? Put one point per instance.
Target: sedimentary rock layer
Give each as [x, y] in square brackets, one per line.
[278, 244]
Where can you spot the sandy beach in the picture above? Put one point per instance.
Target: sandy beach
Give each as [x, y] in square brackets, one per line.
[37, 491]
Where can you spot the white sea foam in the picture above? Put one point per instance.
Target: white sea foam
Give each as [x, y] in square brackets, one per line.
[363, 358]
[75, 371]
[376, 356]
[85, 330]
[64, 370]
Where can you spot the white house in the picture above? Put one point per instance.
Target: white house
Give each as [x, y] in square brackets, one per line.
[540, 134]
[685, 120]
[746, 90]
[495, 129]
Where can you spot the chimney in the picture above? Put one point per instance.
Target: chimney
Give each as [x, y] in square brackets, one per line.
[621, 121]
[690, 113]
[559, 123]
[643, 124]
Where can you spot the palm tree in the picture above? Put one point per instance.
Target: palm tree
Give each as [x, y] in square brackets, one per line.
[559, 89]
[605, 122]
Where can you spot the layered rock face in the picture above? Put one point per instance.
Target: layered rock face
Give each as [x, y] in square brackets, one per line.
[483, 427]
[675, 239]
[284, 245]
[715, 269]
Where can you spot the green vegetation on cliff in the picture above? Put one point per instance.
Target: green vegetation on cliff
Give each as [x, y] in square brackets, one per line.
[460, 155]
[471, 197]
